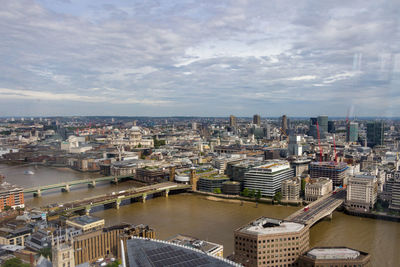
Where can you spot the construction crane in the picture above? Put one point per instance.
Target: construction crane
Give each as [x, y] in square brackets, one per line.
[283, 132]
[334, 147]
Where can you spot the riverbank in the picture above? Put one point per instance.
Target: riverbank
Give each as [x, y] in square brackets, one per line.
[373, 215]
[239, 199]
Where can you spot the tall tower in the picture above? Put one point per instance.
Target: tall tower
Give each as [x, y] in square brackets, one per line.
[284, 124]
[193, 179]
[375, 133]
[232, 121]
[257, 119]
[352, 132]
[172, 174]
[63, 254]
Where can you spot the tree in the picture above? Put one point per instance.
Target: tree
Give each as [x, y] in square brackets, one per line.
[114, 264]
[303, 185]
[258, 195]
[278, 196]
[45, 252]
[7, 208]
[252, 193]
[217, 190]
[245, 192]
[15, 262]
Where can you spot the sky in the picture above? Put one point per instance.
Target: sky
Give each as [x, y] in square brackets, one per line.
[199, 58]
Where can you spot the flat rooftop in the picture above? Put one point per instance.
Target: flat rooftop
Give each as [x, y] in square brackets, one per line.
[193, 242]
[85, 219]
[274, 166]
[269, 226]
[329, 164]
[334, 253]
[4, 186]
[149, 253]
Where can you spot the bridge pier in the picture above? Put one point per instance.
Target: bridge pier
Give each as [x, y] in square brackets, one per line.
[87, 210]
[66, 188]
[38, 193]
[114, 181]
[165, 193]
[117, 204]
[144, 196]
[92, 184]
[329, 217]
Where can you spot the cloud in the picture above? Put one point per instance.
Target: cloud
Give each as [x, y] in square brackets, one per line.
[200, 58]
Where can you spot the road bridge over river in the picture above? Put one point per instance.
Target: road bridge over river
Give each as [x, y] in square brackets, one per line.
[319, 209]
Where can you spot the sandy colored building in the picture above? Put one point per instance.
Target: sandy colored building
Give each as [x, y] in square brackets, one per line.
[270, 242]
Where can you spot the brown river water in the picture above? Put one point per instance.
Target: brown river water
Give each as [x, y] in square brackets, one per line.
[206, 219]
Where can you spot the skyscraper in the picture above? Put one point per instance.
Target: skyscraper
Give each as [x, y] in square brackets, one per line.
[352, 132]
[375, 133]
[284, 124]
[257, 119]
[331, 127]
[232, 121]
[323, 124]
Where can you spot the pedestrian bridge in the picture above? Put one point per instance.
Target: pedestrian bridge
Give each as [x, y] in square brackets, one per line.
[65, 187]
[319, 209]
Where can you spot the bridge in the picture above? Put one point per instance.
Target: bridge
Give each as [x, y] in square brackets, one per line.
[65, 187]
[319, 209]
[115, 199]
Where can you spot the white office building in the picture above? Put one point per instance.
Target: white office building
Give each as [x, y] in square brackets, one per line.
[362, 192]
[268, 178]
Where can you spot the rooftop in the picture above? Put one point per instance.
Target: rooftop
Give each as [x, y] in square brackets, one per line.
[268, 226]
[274, 166]
[194, 243]
[149, 252]
[333, 253]
[85, 219]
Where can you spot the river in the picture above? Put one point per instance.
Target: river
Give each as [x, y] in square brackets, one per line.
[214, 220]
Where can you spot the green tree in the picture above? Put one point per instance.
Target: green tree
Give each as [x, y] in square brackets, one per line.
[45, 252]
[303, 185]
[258, 195]
[7, 208]
[252, 193]
[114, 264]
[245, 192]
[217, 190]
[278, 196]
[15, 262]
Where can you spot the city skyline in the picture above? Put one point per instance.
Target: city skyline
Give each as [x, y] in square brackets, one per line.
[211, 59]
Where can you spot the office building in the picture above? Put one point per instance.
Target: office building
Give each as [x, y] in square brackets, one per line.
[231, 188]
[257, 119]
[284, 123]
[205, 246]
[291, 189]
[362, 192]
[268, 178]
[97, 244]
[11, 196]
[85, 223]
[294, 147]
[211, 183]
[232, 121]
[149, 252]
[331, 127]
[336, 171]
[323, 124]
[14, 235]
[334, 256]
[270, 242]
[317, 188]
[395, 194]
[375, 133]
[352, 132]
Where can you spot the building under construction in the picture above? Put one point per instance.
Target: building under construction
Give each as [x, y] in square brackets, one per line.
[336, 171]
